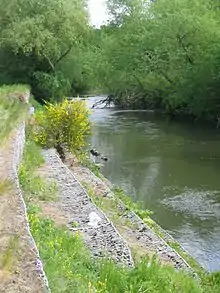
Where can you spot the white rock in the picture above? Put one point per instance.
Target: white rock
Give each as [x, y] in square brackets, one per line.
[94, 219]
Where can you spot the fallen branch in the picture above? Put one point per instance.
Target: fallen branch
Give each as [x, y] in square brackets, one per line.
[107, 101]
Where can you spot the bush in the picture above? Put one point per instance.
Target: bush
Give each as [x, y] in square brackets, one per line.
[63, 126]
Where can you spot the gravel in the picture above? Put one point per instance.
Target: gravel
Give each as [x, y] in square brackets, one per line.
[103, 240]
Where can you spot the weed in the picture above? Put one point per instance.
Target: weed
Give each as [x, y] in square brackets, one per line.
[32, 185]
[130, 205]
[74, 224]
[7, 260]
[85, 161]
[5, 186]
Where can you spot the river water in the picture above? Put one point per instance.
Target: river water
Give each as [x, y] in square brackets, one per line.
[173, 168]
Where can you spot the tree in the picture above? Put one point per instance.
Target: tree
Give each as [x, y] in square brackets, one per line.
[36, 35]
[164, 54]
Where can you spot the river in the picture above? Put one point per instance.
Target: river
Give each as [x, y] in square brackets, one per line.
[173, 168]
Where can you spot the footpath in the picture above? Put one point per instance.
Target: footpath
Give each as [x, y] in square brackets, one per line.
[21, 270]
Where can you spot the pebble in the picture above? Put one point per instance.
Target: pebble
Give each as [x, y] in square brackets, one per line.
[102, 239]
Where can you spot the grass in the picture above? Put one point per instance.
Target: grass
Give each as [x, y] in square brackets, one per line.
[136, 207]
[6, 90]
[70, 268]
[5, 186]
[34, 186]
[12, 111]
[7, 259]
[85, 161]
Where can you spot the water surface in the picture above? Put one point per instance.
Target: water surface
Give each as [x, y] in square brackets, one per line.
[173, 168]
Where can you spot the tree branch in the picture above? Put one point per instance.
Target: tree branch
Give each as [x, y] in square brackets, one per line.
[64, 54]
[49, 61]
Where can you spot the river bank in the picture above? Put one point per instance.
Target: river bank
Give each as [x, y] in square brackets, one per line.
[171, 167]
[125, 237]
[59, 210]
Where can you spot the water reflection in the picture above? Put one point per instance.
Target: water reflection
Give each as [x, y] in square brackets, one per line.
[173, 168]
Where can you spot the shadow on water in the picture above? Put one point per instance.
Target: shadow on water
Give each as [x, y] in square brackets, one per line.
[173, 168]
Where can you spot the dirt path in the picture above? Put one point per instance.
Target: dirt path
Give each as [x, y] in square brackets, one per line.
[20, 267]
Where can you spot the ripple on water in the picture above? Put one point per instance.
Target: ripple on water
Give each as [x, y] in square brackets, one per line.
[196, 203]
[204, 247]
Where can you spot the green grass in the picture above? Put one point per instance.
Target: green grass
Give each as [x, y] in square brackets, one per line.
[12, 111]
[16, 88]
[130, 205]
[8, 258]
[70, 268]
[85, 161]
[34, 186]
[5, 186]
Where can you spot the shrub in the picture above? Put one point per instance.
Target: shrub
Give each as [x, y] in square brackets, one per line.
[63, 126]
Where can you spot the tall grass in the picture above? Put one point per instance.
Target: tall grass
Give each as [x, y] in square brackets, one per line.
[12, 110]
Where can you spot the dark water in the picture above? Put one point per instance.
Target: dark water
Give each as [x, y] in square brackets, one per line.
[173, 168]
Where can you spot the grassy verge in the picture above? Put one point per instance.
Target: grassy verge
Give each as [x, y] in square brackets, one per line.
[12, 111]
[209, 282]
[69, 266]
[85, 161]
[34, 186]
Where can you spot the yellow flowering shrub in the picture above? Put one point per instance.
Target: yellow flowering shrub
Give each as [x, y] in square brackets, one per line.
[62, 125]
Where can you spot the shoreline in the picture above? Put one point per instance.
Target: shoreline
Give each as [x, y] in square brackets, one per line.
[144, 236]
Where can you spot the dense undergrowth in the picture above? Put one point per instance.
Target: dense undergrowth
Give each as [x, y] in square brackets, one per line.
[69, 266]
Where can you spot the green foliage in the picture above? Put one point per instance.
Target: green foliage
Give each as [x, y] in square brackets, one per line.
[33, 102]
[70, 268]
[162, 55]
[64, 126]
[52, 86]
[35, 37]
